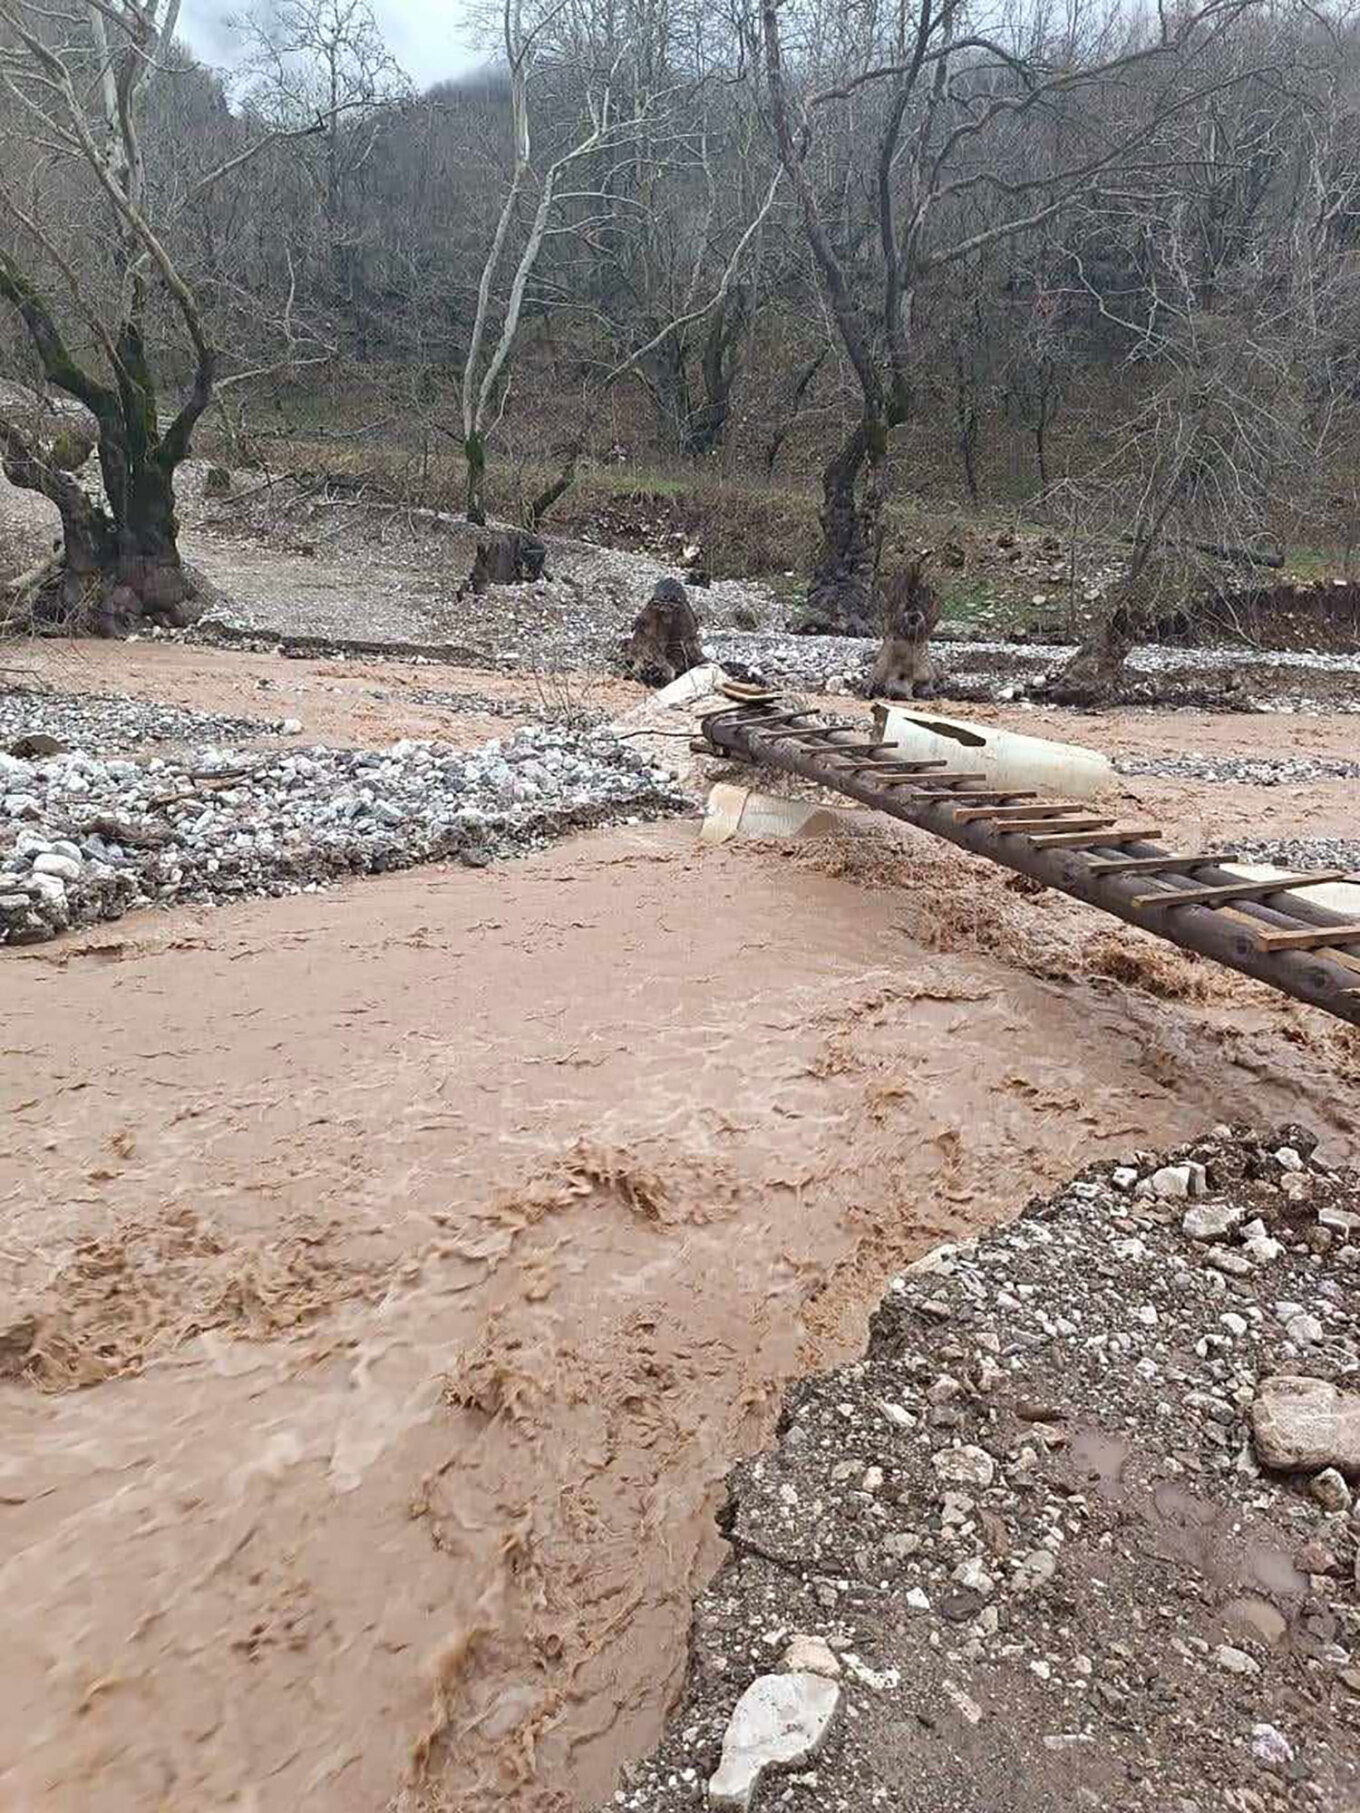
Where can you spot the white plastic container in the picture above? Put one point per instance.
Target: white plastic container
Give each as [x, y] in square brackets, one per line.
[1006, 759]
[740, 812]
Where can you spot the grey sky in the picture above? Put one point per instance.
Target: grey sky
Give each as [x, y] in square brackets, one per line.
[422, 36]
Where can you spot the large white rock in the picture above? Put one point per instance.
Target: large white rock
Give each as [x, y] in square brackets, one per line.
[965, 1466]
[1177, 1180]
[1212, 1220]
[1302, 1424]
[810, 1655]
[779, 1722]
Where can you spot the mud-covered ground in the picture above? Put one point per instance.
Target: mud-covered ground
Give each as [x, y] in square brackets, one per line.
[393, 1274]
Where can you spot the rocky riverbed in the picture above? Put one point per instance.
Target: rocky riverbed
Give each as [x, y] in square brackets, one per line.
[84, 836]
[1245, 770]
[1223, 679]
[1077, 1531]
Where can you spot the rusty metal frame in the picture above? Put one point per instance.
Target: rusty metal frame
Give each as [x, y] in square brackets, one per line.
[1095, 867]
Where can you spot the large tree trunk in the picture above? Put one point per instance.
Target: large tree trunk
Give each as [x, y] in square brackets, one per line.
[149, 580]
[1092, 675]
[841, 597]
[120, 565]
[475, 449]
[707, 426]
[668, 380]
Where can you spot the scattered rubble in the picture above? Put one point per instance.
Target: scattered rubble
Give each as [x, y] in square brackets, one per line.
[109, 723]
[1077, 1529]
[1253, 771]
[1225, 679]
[84, 838]
[1299, 853]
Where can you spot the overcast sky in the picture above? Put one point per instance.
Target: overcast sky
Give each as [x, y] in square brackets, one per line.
[420, 35]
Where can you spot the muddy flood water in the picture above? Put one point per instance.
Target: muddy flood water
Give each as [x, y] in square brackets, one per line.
[410, 1262]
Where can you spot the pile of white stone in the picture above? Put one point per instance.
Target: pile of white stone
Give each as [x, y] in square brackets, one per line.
[84, 837]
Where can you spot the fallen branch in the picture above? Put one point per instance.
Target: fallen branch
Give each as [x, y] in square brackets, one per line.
[1220, 551]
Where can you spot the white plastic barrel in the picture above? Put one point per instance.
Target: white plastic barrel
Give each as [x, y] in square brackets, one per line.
[741, 812]
[1003, 757]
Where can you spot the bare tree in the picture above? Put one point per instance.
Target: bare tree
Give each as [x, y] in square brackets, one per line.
[1037, 372]
[486, 361]
[77, 80]
[324, 64]
[960, 109]
[1246, 292]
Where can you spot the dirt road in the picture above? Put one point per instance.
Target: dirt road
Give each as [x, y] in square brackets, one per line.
[426, 1251]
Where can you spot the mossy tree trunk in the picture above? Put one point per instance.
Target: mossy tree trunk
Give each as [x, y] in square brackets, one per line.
[120, 559]
[841, 599]
[474, 449]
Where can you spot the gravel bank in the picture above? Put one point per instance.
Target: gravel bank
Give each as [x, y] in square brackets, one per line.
[86, 837]
[107, 722]
[1300, 853]
[1028, 1549]
[1253, 771]
[1237, 679]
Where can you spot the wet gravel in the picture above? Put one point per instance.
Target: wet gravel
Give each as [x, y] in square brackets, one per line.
[1234, 678]
[105, 721]
[1300, 853]
[87, 837]
[1031, 1535]
[1253, 771]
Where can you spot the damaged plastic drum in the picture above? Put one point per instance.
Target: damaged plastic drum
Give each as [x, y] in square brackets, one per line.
[1004, 757]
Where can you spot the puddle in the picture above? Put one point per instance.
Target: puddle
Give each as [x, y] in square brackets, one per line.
[1256, 1620]
[1101, 1458]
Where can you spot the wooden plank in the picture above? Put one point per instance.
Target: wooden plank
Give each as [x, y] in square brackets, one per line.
[891, 767]
[1096, 840]
[1156, 865]
[955, 780]
[1021, 825]
[1314, 938]
[1340, 955]
[946, 796]
[1237, 890]
[1046, 807]
[821, 740]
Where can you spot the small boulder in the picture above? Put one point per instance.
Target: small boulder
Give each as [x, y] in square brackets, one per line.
[1174, 1181]
[36, 746]
[1211, 1220]
[780, 1722]
[1301, 1425]
[810, 1656]
[966, 1466]
[1330, 1490]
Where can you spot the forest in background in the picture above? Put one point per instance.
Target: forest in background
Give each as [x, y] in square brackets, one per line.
[1098, 264]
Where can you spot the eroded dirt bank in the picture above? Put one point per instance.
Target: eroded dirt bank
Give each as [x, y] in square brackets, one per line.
[428, 1249]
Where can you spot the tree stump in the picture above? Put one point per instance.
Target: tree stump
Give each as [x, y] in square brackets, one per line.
[664, 642]
[911, 609]
[512, 557]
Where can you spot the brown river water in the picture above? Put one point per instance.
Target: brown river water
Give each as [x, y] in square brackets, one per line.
[408, 1264]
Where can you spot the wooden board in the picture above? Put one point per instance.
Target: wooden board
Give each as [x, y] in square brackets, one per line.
[1057, 808]
[1314, 938]
[1021, 825]
[1095, 840]
[1237, 890]
[1154, 865]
